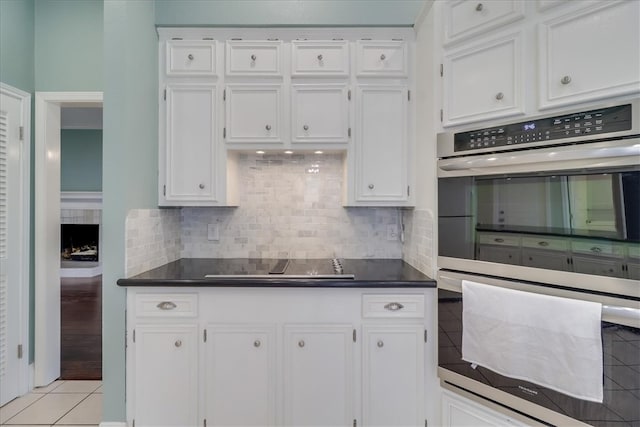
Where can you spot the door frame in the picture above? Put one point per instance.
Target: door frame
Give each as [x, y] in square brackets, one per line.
[24, 225]
[47, 227]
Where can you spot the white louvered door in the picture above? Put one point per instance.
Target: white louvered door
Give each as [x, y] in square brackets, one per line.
[11, 246]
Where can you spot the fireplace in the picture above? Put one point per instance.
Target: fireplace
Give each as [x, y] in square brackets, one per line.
[79, 242]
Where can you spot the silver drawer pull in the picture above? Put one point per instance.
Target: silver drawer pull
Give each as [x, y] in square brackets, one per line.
[380, 343]
[383, 57]
[305, 127]
[393, 306]
[499, 96]
[166, 305]
[268, 127]
[479, 7]
[257, 343]
[565, 80]
[319, 57]
[253, 57]
[543, 243]
[301, 343]
[190, 56]
[178, 343]
[596, 249]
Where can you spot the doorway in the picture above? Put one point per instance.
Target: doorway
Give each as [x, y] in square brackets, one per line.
[48, 287]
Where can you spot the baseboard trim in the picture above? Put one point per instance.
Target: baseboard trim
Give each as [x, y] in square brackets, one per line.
[113, 424]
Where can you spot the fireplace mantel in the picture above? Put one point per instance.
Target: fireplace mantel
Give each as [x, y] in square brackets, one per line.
[81, 199]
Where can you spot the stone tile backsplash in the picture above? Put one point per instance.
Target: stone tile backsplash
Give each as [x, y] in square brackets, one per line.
[80, 216]
[290, 206]
[152, 239]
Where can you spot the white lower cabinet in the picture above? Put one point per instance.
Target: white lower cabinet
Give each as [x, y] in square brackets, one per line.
[458, 411]
[239, 367]
[277, 357]
[165, 378]
[393, 397]
[318, 372]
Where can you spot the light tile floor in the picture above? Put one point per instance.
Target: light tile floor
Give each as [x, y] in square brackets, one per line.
[62, 403]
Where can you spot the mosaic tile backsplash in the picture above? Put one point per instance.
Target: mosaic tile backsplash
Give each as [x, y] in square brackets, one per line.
[289, 206]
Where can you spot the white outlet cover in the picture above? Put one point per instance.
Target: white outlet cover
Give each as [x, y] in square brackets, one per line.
[213, 232]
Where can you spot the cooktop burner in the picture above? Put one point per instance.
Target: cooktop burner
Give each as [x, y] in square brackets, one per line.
[281, 269]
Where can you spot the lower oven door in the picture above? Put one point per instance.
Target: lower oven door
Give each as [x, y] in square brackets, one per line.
[621, 358]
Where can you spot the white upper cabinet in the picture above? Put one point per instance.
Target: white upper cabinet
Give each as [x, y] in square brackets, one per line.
[465, 18]
[381, 58]
[190, 154]
[254, 113]
[483, 81]
[319, 58]
[381, 149]
[190, 58]
[253, 58]
[320, 113]
[590, 54]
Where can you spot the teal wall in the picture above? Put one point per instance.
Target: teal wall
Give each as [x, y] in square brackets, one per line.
[287, 12]
[68, 45]
[17, 43]
[130, 153]
[81, 160]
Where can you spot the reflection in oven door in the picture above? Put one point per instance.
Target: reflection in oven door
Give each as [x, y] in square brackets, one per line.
[621, 347]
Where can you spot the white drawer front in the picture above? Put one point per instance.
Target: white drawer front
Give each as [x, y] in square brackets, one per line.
[191, 58]
[598, 248]
[545, 243]
[325, 58]
[382, 58]
[499, 239]
[464, 19]
[393, 306]
[166, 305]
[254, 58]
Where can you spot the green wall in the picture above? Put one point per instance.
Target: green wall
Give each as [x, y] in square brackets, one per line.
[17, 43]
[130, 153]
[68, 45]
[287, 12]
[81, 160]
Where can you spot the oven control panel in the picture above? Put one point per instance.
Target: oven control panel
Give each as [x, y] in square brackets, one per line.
[583, 124]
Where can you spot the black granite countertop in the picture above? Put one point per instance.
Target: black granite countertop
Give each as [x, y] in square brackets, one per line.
[368, 273]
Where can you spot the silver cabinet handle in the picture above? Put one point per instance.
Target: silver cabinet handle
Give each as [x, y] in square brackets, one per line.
[499, 96]
[253, 57]
[543, 243]
[305, 127]
[479, 7]
[257, 343]
[190, 56]
[498, 240]
[178, 343]
[383, 57]
[380, 343]
[371, 186]
[566, 80]
[320, 57]
[596, 249]
[166, 305]
[268, 127]
[393, 306]
[301, 343]
[201, 186]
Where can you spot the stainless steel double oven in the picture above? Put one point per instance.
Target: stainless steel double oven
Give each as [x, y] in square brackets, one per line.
[549, 205]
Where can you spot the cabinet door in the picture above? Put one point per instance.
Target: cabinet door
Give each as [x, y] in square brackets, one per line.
[393, 396]
[190, 58]
[591, 54]
[598, 265]
[379, 58]
[254, 113]
[254, 58]
[165, 375]
[483, 81]
[550, 260]
[318, 377]
[190, 149]
[460, 412]
[499, 254]
[319, 58]
[381, 149]
[240, 372]
[320, 113]
[464, 19]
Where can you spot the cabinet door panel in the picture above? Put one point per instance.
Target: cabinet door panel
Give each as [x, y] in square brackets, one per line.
[319, 375]
[393, 396]
[595, 49]
[483, 81]
[191, 58]
[464, 19]
[600, 266]
[381, 143]
[165, 388]
[377, 58]
[190, 143]
[320, 58]
[320, 113]
[254, 113]
[253, 58]
[550, 260]
[240, 375]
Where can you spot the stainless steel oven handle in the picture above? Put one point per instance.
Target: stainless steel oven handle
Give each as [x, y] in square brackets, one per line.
[612, 312]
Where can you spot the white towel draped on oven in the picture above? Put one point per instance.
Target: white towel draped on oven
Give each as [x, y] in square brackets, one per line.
[550, 341]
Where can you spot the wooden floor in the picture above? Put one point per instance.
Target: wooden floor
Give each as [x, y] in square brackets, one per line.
[81, 328]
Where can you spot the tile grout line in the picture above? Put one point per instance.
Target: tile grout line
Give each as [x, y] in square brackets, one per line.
[23, 409]
[74, 407]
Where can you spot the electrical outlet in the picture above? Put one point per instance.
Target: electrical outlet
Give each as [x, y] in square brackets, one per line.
[392, 232]
[213, 232]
